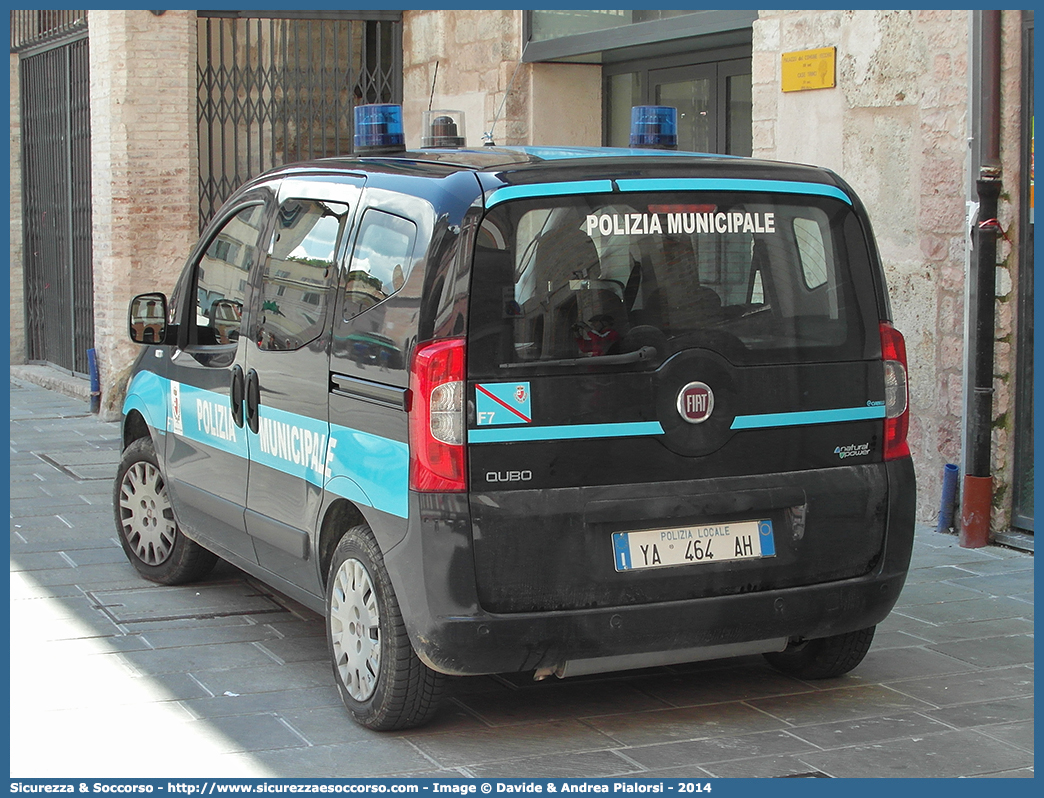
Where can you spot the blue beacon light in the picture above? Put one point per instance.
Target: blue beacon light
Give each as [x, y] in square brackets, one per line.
[378, 128]
[654, 127]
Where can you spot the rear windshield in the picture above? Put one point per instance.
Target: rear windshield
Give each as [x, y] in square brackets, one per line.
[626, 280]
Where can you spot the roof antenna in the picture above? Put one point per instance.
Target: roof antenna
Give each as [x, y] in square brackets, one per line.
[434, 77]
[489, 135]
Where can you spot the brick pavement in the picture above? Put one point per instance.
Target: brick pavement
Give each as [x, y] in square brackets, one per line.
[123, 678]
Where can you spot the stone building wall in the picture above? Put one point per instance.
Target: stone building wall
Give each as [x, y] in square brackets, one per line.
[1007, 343]
[472, 60]
[469, 58]
[17, 320]
[145, 170]
[896, 127]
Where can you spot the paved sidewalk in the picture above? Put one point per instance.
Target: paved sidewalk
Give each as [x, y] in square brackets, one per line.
[114, 676]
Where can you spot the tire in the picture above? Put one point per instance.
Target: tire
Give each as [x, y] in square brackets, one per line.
[825, 657]
[145, 522]
[382, 682]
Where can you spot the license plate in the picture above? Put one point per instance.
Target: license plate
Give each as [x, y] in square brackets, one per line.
[693, 545]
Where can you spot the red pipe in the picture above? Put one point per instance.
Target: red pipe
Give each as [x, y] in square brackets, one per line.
[975, 512]
[978, 481]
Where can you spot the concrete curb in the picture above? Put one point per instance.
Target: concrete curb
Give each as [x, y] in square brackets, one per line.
[54, 380]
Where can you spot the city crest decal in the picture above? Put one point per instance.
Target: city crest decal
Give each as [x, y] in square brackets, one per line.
[499, 403]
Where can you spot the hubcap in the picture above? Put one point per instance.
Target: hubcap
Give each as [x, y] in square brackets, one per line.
[148, 521]
[355, 628]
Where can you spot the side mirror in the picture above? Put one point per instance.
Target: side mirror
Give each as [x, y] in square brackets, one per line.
[226, 317]
[148, 319]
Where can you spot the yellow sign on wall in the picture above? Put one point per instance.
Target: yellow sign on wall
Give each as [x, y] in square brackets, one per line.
[809, 69]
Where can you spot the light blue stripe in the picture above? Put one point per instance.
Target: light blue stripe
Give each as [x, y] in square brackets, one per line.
[378, 466]
[731, 184]
[572, 153]
[291, 443]
[147, 393]
[206, 417]
[766, 420]
[549, 190]
[565, 432]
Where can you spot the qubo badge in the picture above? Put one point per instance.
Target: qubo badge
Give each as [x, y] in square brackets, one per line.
[498, 403]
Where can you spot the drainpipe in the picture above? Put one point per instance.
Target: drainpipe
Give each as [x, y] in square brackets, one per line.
[978, 480]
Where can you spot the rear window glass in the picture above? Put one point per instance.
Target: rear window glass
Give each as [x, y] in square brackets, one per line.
[759, 278]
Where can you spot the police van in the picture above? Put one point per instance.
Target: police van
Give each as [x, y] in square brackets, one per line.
[525, 409]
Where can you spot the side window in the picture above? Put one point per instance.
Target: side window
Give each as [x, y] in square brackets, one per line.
[811, 251]
[381, 261]
[298, 270]
[221, 277]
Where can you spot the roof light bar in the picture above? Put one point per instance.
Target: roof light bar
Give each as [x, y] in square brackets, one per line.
[654, 127]
[378, 128]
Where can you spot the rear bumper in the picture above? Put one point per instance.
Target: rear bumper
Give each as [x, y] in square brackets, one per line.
[688, 630]
[433, 573]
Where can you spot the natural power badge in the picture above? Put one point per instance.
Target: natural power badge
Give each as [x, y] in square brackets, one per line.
[852, 450]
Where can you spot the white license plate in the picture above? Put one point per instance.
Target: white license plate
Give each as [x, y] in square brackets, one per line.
[692, 545]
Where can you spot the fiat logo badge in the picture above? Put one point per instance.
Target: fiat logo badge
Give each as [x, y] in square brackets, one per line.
[696, 402]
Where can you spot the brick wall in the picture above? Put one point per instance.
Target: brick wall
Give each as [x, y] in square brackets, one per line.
[17, 320]
[145, 171]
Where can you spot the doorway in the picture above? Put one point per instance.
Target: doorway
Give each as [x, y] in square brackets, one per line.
[295, 78]
[713, 99]
[56, 174]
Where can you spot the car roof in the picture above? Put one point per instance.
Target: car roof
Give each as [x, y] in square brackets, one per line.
[439, 162]
[497, 167]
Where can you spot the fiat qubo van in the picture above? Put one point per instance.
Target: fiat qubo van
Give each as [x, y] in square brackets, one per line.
[520, 409]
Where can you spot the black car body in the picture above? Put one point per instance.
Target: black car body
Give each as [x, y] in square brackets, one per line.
[558, 410]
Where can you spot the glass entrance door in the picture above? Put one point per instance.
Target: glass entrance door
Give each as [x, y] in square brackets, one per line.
[713, 101]
[692, 91]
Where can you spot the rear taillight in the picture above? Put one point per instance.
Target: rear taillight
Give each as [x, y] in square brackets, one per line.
[437, 418]
[897, 401]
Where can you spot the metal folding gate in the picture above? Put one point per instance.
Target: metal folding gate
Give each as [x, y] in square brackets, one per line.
[276, 87]
[56, 186]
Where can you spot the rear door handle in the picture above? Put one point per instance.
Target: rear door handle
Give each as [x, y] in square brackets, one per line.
[253, 400]
[236, 395]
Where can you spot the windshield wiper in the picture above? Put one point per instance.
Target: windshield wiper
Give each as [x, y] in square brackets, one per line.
[642, 355]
